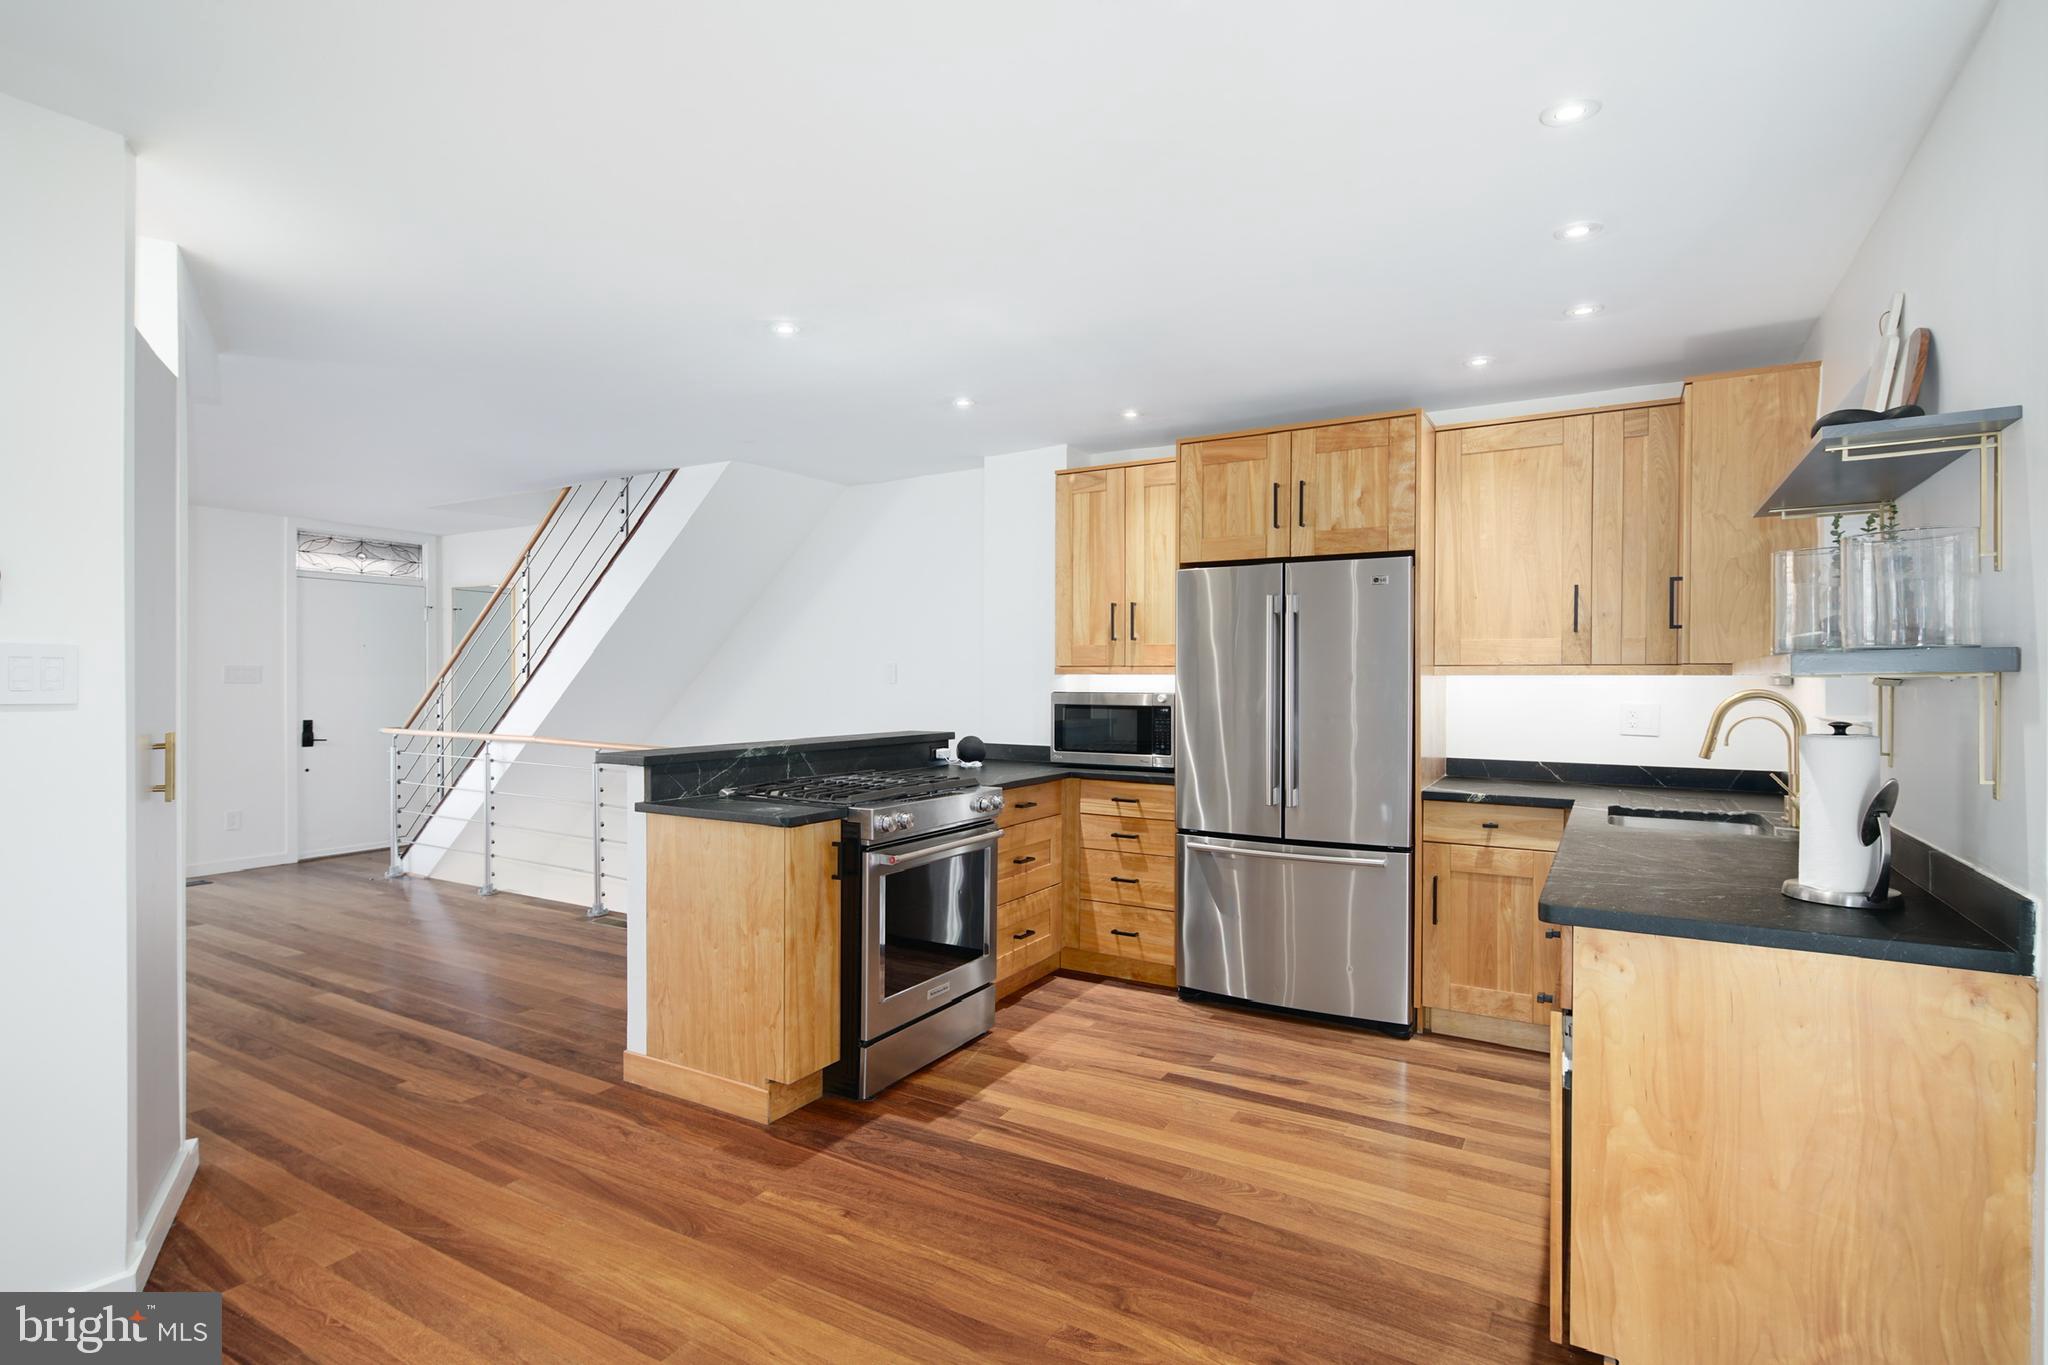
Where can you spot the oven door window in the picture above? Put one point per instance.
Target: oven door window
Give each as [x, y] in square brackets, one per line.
[1102, 729]
[934, 918]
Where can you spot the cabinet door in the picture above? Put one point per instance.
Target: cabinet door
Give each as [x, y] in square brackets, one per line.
[1354, 488]
[1742, 432]
[1231, 493]
[1088, 570]
[1636, 514]
[1514, 543]
[1151, 527]
[1480, 932]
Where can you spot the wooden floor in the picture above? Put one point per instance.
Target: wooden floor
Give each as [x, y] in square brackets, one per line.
[415, 1146]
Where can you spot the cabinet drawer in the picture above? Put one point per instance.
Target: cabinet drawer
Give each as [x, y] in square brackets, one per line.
[1026, 931]
[1028, 859]
[1039, 801]
[1127, 800]
[1123, 931]
[1152, 838]
[1471, 822]
[1126, 878]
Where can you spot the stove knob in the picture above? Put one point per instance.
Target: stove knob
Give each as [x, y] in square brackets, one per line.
[906, 820]
[995, 801]
[890, 822]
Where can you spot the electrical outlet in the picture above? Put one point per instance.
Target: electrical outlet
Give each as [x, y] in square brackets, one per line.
[233, 821]
[1638, 718]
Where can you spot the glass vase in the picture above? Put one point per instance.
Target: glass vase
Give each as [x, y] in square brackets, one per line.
[1806, 599]
[1910, 589]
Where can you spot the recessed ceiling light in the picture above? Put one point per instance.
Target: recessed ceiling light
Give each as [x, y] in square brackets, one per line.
[783, 328]
[1478, 362]
[963, 401]
[1567, 112]
[1582, 310]
[1132, 414]
[1579, 231]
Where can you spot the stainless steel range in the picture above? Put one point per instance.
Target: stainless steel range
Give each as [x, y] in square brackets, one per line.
[917, 868]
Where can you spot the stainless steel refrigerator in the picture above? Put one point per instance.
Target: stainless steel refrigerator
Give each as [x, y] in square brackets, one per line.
[1294, 782]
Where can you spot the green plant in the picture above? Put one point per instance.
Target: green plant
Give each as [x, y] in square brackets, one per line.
[1882, 518]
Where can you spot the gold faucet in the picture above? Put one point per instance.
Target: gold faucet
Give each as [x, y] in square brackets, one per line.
[1798, 728]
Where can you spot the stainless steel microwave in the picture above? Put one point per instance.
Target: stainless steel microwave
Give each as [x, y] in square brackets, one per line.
[1120, 729]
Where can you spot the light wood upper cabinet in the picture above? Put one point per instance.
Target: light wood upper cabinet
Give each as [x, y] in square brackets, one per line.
[1514, 565]
[1353, 488]
[1230, 498]
[1115, 558]
[1743, 431]
[1636, 516]
[1483, 949]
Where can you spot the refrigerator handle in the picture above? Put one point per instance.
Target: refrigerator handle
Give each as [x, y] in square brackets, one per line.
[1293, 683]
[1273, 708]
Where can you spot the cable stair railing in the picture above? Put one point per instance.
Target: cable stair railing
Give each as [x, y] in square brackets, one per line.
[510, 640]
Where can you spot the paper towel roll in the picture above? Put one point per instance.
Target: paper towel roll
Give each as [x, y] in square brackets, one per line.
[1838, 774]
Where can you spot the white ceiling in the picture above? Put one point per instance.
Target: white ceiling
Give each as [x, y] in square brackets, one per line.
[465, 248]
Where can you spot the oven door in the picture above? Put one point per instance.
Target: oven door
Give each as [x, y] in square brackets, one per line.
[927, 926]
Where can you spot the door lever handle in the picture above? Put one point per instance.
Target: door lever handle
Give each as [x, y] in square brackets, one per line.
[307, 739]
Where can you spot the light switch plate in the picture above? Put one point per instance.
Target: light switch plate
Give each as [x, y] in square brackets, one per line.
[38, 674]
[1638, 718]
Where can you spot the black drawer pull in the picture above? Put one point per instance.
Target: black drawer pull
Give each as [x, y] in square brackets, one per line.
[1489, 824]
[1019, 862]
[1553, 933]
[1025, 934]
[1124, 933]
[1128, 881]
[1123, 836]
[1432, 900]
[1545, 998]
[1026, 805]
[1125, 800]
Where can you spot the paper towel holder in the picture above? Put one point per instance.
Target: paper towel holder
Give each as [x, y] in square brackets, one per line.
[1877, 829]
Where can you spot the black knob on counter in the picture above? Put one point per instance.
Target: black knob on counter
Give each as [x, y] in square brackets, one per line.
[969, 749]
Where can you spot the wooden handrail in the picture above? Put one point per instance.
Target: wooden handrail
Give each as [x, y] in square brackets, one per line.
[503, 583]
[513, 739]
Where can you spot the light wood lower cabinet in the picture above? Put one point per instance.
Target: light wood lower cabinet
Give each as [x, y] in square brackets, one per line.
[1779, 1155]
[1485, 955]
[1031, 870]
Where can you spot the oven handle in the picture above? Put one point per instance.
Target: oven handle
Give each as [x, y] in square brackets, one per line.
[1196, 847]
[899, 857]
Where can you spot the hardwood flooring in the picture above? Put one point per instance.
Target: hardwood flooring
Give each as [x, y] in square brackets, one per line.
[415, 1146]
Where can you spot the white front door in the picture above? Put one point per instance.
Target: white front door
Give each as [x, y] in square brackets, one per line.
[362, 666]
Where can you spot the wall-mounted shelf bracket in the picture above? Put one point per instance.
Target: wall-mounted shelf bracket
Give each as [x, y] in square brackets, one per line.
[1990, 723]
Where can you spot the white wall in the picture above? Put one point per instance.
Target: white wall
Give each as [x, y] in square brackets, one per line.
[1578, 720]
[471, 559]
[66, 836]
[238, 758]
[1962, 237]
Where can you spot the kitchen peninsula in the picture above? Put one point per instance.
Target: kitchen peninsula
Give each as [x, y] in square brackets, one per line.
[747, 883]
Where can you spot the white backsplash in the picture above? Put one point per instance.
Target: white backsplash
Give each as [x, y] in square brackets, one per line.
[1579, 720]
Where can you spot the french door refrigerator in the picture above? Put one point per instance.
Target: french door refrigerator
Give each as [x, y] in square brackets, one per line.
[1293, 786]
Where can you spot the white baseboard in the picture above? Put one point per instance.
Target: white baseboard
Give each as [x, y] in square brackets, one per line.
[156, 1225]
[308, 855]
[222, 865]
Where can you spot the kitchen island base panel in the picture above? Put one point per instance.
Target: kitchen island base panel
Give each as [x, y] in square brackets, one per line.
[1481, 1028]
[762, 1103]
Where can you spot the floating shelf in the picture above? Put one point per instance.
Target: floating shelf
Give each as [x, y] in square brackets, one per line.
[1850, 468]
[1937, 661]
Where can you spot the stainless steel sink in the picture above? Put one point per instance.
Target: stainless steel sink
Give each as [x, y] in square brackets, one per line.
[1700, 822]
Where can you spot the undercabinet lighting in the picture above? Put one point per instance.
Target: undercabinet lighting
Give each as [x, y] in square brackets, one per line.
[1582, 310]
[1132, 414]
[783, 328]
[1578, 232]
[1567, 112]
[1479, 362]
[963, 402]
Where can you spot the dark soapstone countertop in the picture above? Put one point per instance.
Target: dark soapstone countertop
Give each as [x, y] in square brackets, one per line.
[1705, 883]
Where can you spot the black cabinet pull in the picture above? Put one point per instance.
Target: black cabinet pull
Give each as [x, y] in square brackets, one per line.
[1553, 933]
[1125, 800]
[1545, 998]
[1019, 862]
[1131, 618]
[1575, 610]
[1025, 934]
[1026, 805]
[1276, 506]
[1671, 600]
[1123, 836]
[1124, 933]
[1432, 900]
[1301, 503]
[1127, 881]
[1112, 620]
[1489, 824]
